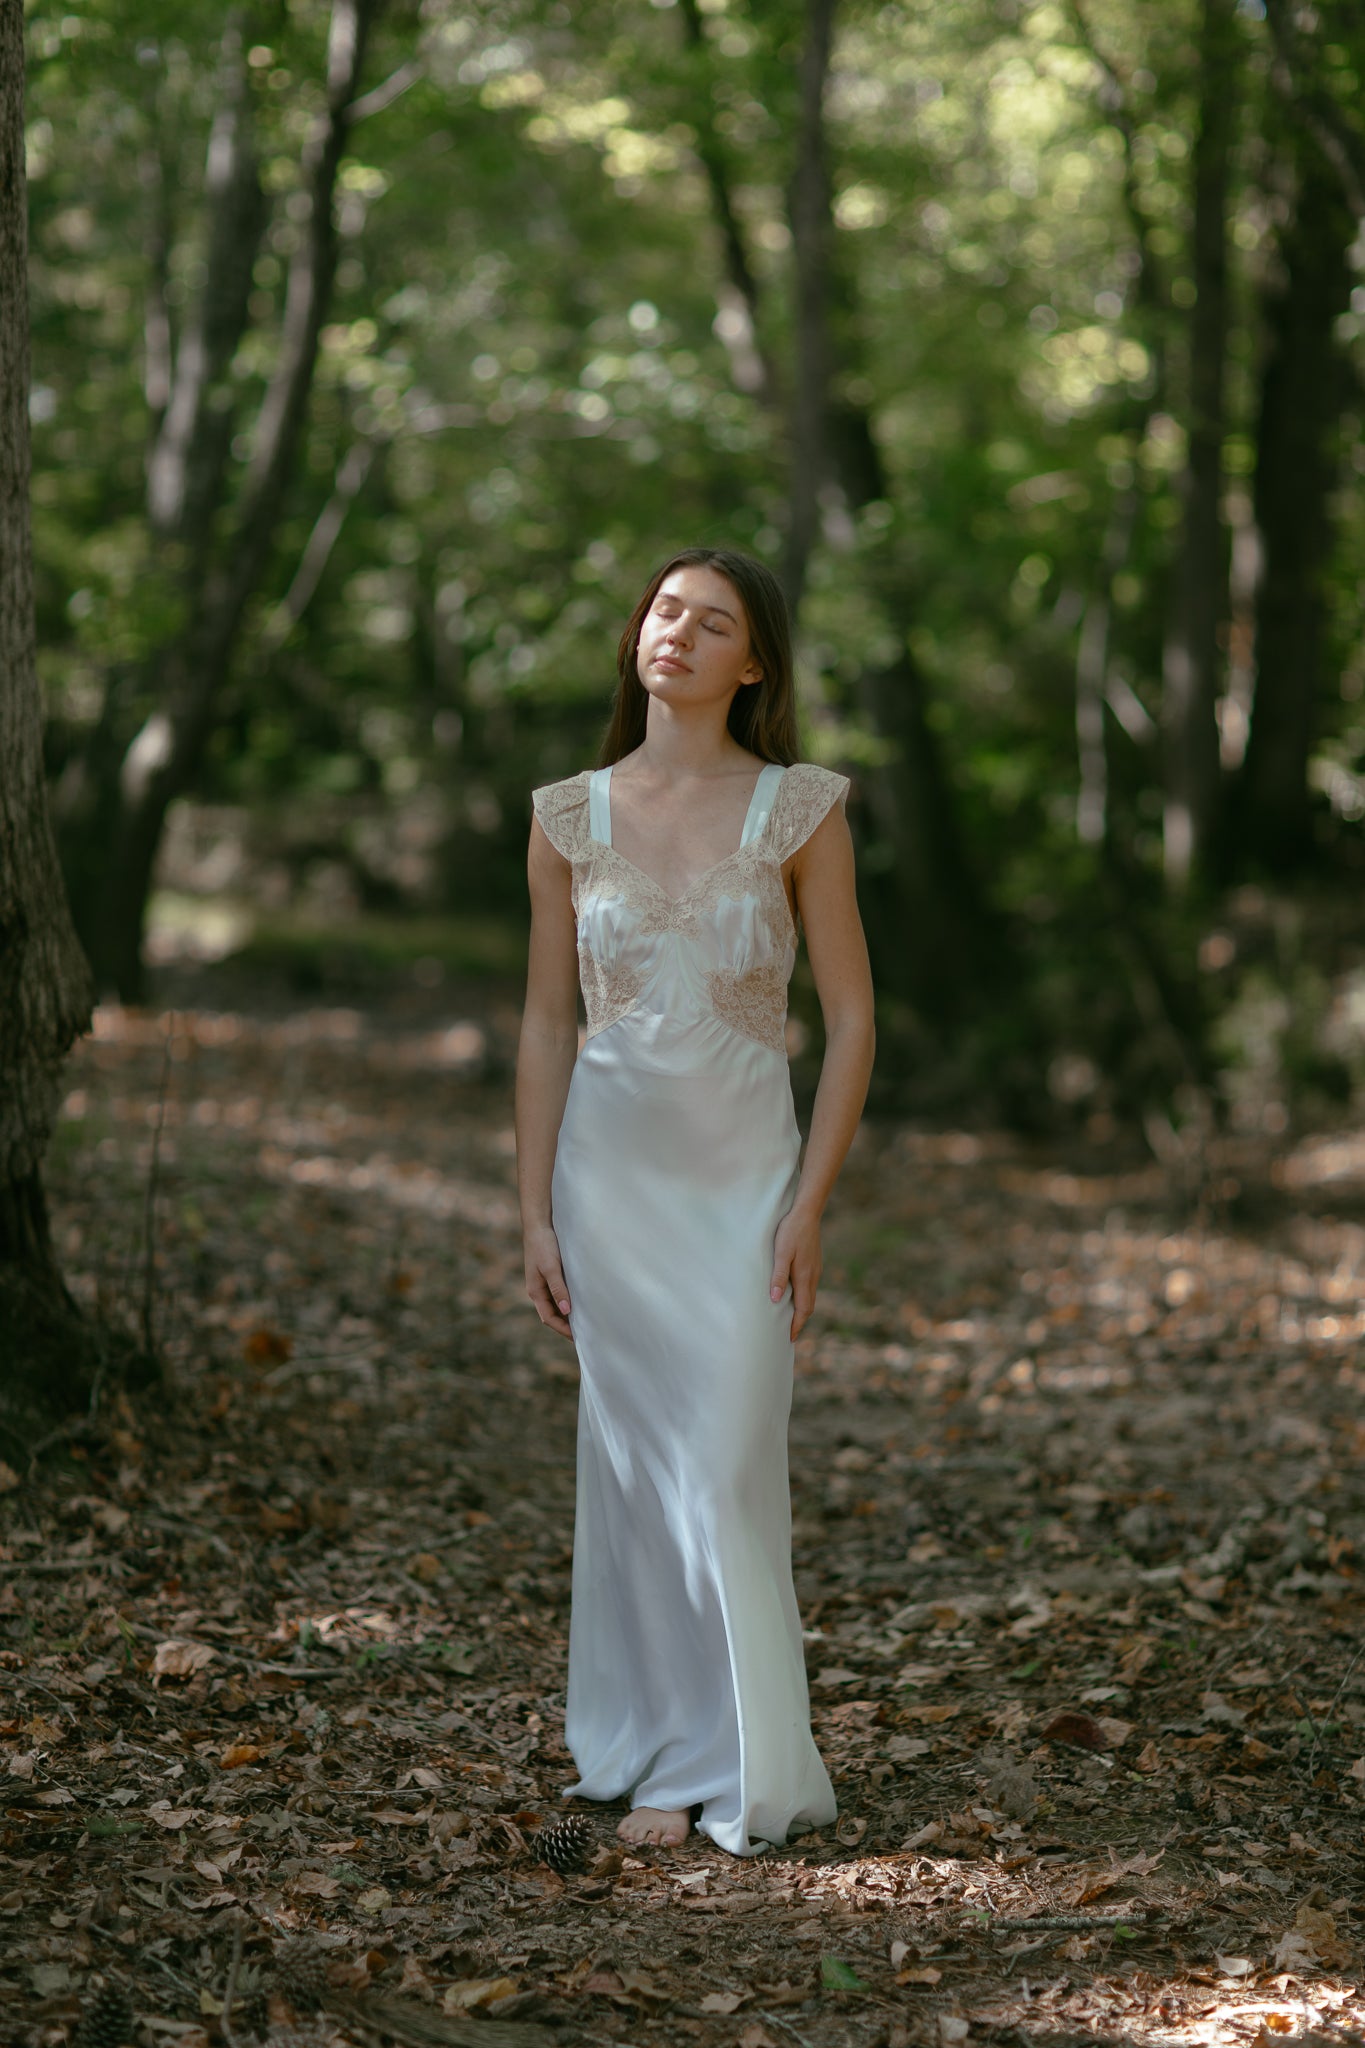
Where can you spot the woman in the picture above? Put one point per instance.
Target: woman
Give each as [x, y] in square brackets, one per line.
[670, 1230]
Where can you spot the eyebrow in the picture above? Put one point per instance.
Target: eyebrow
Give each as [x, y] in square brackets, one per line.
[674, 598]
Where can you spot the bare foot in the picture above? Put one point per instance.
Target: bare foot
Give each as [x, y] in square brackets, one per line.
[653, 1824]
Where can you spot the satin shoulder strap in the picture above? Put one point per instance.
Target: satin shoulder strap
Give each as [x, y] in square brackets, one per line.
[761, 802]
[599, 805]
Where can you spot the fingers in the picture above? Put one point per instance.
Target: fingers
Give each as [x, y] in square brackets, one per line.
[550, 1299]
[782, 1266]
[803, 1308]
[559, 1293]
[805, 1284]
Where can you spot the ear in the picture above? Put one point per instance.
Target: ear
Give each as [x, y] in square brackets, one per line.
[753, 674]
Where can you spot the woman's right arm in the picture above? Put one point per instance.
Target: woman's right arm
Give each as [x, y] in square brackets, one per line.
[545, 1058]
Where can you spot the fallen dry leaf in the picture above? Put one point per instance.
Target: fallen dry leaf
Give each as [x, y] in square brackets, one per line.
[1293, 1952]
[932, 1831]
[1077, 1731]
[238, 1753]
[176, 1658]
[476, 1991]
[602, 1984]
[721, 2001]
[640, 1984]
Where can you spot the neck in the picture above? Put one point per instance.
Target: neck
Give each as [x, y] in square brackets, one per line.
[698, 744]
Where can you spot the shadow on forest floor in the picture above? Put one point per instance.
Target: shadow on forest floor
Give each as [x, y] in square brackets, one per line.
[1079, 1513]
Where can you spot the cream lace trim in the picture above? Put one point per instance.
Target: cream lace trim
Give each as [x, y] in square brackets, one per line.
[608, 992]
[754, 1004]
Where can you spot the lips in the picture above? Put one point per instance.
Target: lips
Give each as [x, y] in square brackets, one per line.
[670, 661]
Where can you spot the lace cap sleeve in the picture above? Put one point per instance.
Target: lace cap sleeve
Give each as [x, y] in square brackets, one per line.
[805, 796]
[562, 808]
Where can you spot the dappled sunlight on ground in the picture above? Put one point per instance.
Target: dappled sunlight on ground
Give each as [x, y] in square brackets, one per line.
[1079, 1509]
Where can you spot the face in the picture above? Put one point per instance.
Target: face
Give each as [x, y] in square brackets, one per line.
[694, 643]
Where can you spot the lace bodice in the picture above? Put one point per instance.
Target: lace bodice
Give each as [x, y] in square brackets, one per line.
[727, 942]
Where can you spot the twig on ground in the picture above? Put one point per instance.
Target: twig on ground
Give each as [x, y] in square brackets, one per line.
[1312, 1763]
[325, 1362]
[149, 1201]
[1074, 1923]
[164, 1967]
[167, 1518]
[775, 2019]
[230, 1988]
[60, 1564]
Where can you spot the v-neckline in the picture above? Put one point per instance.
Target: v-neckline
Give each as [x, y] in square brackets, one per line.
[744, 839]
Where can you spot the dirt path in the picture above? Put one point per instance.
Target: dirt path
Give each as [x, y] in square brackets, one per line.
[1080, 1507]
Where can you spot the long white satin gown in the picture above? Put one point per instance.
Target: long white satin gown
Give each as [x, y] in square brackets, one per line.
[677, 1158]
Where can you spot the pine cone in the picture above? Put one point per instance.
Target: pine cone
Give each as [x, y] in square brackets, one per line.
[564, 1844]
[301, 1975]
[107, 2021]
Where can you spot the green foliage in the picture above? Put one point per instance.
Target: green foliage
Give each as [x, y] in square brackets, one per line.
[533, 346]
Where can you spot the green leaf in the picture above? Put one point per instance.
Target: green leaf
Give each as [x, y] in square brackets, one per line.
[837, 1976]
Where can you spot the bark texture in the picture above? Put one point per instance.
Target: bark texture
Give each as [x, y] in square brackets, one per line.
[1303, 389]
[1192, 665]
[45, 993]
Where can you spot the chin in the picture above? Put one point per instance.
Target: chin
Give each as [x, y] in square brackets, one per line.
[669, 689]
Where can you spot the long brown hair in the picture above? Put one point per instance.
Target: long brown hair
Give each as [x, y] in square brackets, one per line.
[763, 714]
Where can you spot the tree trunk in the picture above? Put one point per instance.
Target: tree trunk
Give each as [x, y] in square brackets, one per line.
[45, 1350]
[1303, 385]
[1297, 75]
[932, 940]
[812, 229]
[738, 323]
[223, 540]
[1192, 663]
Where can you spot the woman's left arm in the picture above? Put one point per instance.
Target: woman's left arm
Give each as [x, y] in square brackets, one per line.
[822, 874]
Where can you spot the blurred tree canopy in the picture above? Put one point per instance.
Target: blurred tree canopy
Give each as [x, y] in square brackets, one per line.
[1023, 337]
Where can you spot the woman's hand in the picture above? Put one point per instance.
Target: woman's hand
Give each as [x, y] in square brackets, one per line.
[545, 1280]
[796, 1257]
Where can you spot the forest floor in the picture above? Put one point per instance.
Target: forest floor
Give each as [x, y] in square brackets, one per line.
[1079, 1496]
